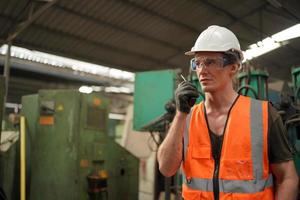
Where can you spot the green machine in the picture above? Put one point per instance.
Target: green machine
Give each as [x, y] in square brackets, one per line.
[154, 104]
[296, 82]
[293, 121]
[253, 83]
[152, 91]
[71, 155]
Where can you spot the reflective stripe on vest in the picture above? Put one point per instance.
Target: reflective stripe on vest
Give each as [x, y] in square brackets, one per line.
[257, 140]
[229, 186]
[256, 128]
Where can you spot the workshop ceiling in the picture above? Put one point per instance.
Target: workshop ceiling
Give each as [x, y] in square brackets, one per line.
[140, 35]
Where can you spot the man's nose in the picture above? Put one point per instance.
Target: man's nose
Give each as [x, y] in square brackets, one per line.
[202, 70]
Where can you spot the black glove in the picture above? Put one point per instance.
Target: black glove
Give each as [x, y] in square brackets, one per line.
[185, 96]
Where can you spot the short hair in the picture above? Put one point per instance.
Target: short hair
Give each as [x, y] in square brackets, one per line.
[232, 57]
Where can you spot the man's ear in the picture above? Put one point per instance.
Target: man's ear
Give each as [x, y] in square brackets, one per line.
[234, 68]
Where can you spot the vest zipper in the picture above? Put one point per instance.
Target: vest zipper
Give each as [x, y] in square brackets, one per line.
[216, 172]
[217, 157]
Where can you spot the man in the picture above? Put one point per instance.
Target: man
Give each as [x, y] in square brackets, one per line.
[230, 146]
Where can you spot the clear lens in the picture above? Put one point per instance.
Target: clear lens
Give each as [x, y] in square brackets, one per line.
[207, 62]
[193, 64]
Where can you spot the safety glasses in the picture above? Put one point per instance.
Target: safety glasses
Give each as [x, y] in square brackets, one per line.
[208, 62]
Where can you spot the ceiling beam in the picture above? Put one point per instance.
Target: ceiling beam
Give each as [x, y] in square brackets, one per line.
[32, 16]
[77, 56]
[251, 12]
[172, 21]
[234, 18]
[291, 14]
[162, 17]
[278, 5]
[116, 27]
[96, 44]
[280, 14]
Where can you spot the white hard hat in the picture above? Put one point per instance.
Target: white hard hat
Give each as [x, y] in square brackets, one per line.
[216, 39]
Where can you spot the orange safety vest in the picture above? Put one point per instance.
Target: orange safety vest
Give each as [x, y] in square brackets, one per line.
[243, 172]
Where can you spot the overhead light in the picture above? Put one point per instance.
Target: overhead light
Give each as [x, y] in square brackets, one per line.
[118, 90]
[287, 34]
[261, 47]
[112, 89]
[63, 62]
[85, 89]
[270, 43]
[253, 46]
[97, 88]
[259, 50]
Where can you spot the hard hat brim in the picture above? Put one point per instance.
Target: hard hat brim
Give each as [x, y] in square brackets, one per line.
[189, 53]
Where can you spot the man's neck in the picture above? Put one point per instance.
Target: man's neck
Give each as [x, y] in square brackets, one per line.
[220, 101]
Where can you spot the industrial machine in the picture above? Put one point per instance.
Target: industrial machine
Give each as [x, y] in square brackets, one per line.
[153, 90]
[71, 155]
[154, 105]
[293, 117]
[253, 82]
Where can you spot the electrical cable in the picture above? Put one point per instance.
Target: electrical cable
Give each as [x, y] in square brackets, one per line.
[152, 138]
[247, 87]
[248, 81]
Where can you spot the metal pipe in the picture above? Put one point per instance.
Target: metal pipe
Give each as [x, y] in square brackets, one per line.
[259, 92]
[22, 160]
[267, 89]
[6, 72]
[6, 76]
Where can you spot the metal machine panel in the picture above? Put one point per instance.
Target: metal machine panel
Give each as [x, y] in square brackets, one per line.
[72, 155]
[54, 147]
[30, 105]
[152, 90]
